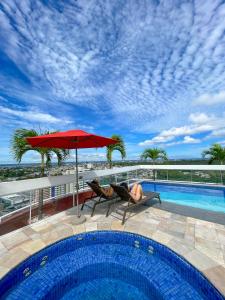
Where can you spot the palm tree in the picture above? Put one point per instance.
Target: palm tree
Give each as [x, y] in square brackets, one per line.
[20, 147]
[216, 153]
[120, 146]
[154, 154]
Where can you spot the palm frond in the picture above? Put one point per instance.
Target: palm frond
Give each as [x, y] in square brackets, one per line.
[61, 154]
[119, 146]
[154, 154]
[19, 145]
[216, 153]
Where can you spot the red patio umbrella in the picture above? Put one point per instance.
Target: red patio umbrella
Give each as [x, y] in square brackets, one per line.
[71, 139]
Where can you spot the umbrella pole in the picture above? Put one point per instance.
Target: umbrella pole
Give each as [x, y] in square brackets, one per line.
[77, 184]
[78, 218]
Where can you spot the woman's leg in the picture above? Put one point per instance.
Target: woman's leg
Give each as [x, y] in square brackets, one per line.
[134, 189]
[138, 195]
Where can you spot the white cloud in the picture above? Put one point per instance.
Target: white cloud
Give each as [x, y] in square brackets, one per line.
[200, 118]
[33, 115]
[190, 140]
[186, 140]
[156, 140]
[218, 133]
[186, 130]
[200, 123]
[147, 61]
[211, 99]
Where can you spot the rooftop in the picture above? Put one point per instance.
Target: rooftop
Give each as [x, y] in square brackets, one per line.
[202, 243]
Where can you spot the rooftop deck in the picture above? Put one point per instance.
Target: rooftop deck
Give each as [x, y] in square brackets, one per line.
[201, 243]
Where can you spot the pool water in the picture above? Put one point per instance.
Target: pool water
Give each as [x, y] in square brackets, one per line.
[204, 197]
[105, 289]
[106, 265]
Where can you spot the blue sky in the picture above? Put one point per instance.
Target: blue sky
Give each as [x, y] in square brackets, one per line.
[152, 71]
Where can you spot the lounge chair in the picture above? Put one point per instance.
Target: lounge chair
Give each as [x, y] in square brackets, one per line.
[125, 196]
[98, 196]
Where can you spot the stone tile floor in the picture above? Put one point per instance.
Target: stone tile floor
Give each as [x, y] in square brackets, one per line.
[201, 243]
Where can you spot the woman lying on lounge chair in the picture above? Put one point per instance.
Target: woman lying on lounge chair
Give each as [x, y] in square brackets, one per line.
[136, 192]
[108, 191]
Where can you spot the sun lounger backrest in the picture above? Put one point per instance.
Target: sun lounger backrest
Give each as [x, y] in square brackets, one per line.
[122, 192]
[96, 188]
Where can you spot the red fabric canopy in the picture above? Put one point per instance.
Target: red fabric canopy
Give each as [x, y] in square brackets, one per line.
[71, 139]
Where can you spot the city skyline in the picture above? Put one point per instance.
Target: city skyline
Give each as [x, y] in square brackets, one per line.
[152, 72]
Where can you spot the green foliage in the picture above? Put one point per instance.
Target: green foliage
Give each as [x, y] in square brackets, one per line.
[20, 147]
[216, 153]
[120, 146]
[154, 154]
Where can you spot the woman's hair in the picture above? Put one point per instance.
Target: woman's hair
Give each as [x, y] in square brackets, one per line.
[95, 181]
[125, 185]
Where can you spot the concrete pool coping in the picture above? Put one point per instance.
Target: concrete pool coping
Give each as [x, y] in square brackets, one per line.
[190, 211]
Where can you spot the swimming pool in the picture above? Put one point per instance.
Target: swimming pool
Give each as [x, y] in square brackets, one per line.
[205, 197]
[106, 265]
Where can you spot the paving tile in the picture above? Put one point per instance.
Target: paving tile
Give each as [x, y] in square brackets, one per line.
[104, 226]
[177, 217]
[206, 233]
[91, 226]
[116, 225]
[3, 271]
[200, 260]
[146, 231]
[190, 229]
[219, 226]
[28, 230]
[132, 226]
[50, 237]
[13, 257]
[180, 246]
[33, 246]
[210, 248]
[42, 227]
[204, 223]
[79, 229]
[223, 250]
[3, 249]
[189, 234]
[191, 220]
[217, 276]
[63, 230]
[162, 237]
[221, 236]
[161, 213]
[14, 239]
[152, 221]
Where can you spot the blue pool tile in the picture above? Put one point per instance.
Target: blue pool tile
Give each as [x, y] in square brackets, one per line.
[107, 262]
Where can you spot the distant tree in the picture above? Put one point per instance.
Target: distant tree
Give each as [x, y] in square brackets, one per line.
[216, 153]
[154, 154]
[20, 147]
[120, 146]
